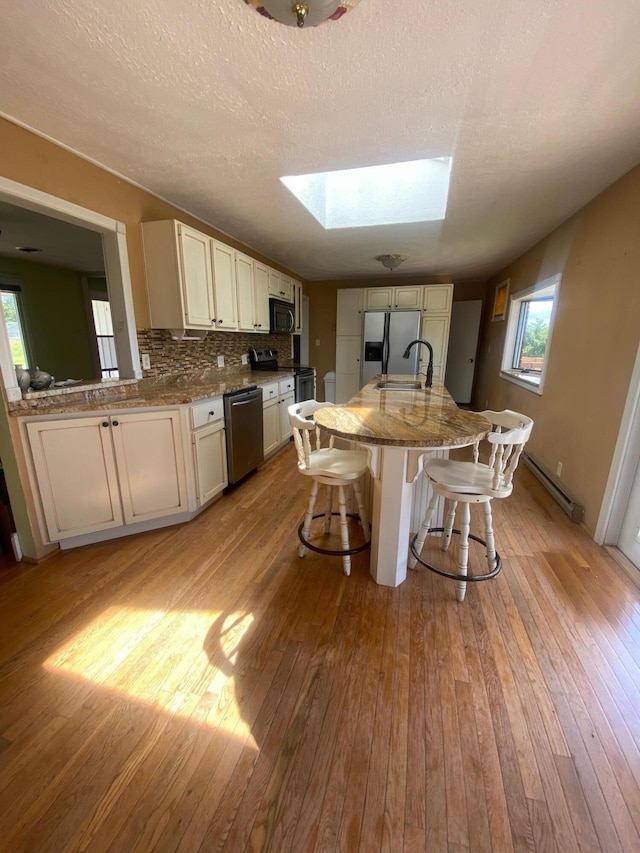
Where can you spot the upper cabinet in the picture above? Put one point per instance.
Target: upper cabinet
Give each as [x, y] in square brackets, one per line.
[296, 292]
[393, 298]
[252, 286]
[280, 286]
[350, 304]
[197, 282]
[438, 298]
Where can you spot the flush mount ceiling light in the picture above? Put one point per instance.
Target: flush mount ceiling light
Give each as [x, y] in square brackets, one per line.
[391, 261]
[307, 14]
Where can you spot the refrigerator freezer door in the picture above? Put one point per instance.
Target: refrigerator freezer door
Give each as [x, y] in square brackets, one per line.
[372, 345]
[404, 327]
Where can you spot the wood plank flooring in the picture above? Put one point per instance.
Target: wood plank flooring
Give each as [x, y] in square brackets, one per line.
[200, 688]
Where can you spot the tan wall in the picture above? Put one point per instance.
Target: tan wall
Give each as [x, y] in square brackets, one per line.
[35, 162]
[595, 340]
[322, 310]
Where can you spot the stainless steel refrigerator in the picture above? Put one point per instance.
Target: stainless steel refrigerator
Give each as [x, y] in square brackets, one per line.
[385, 336]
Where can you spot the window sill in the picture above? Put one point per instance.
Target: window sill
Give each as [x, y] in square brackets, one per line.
[524, 380]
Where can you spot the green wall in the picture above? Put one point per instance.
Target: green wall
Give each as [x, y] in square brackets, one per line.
[56, 319]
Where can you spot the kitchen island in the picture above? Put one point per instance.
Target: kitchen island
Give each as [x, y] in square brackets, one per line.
[398, 428]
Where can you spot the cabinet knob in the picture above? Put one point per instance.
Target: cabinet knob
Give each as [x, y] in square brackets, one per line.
[115, 423]
[211, 414]
[213, 322]
[105, 423]
[220, 321]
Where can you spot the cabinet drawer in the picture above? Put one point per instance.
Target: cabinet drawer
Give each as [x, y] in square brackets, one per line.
[287, 385]
[206, 413]
[270, 392]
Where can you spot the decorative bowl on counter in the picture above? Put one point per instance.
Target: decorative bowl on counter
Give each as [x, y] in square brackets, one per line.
[40, 379]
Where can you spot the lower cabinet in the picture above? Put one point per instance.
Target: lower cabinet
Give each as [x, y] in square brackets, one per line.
[209, 449]
[99, 472]
[277, 397]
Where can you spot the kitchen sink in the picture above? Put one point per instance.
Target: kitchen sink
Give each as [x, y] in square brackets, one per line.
[391, 385]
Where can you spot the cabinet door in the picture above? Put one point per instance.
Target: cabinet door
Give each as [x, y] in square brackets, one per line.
[347, 367]
[286, 288]
[408, 297]
[271, 426]
[224, 286]
[297, 304]
[197, 280]
[261, 296]
[244, 293]
[274, 284]
[211, 462]
[76, 474]
[350, 303]
[438, 298]
[378, 298]
[150, 464]
[285, 424]
[435, 329]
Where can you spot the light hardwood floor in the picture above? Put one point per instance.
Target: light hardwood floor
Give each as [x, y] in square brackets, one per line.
[201, 688]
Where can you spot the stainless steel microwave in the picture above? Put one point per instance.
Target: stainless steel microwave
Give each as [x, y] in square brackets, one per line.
[281, 319]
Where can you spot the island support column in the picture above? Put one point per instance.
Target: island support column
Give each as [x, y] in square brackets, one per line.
[393, 470]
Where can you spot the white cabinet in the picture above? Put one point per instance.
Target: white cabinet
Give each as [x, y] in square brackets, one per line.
[280, 286]
[350, 304]
[252, 294]
[296, 289]
[191, 278]
[435, 329]
[437, 298]
[348, 349]
[276, 399]
[209, 449]
[224, 286]
[393, 298]
[132, 470]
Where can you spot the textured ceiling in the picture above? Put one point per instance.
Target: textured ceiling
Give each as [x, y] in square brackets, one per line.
[207, 104]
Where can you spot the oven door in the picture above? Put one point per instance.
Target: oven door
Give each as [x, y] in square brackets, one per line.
[304, 387]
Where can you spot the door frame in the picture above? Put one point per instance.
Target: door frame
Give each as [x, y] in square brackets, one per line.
[623, 465]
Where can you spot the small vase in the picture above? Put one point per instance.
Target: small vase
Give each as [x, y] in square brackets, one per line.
[24, 378]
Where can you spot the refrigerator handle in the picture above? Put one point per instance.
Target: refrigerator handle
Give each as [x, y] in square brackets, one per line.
[385, 344]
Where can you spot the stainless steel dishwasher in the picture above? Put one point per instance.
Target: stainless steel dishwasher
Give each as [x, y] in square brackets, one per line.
[243, 425]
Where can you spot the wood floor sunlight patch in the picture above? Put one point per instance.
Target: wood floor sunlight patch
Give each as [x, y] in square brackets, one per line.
[181, 662]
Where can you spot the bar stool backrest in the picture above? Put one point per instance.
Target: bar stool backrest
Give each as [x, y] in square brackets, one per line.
[303, 425]
[509, 434]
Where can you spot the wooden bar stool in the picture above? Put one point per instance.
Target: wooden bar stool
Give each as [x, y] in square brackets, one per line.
[473, 482]
[331, 467]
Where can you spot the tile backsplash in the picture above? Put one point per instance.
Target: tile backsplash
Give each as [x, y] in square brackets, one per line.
[169, 357]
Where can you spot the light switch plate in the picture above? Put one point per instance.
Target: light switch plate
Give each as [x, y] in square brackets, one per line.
[146, 361]
[245, 358]
[220, 361]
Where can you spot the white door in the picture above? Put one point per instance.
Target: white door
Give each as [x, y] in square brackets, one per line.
[271, 426]
[245, 294]
[211, 461]
[286, 430]
[76, 474]
[197, 279]
[629, 541]
[224, 286]
[463, 346]
[150, 462]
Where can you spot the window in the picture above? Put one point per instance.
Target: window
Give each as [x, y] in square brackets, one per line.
[526, 352]
[101, 311]
[16, 331]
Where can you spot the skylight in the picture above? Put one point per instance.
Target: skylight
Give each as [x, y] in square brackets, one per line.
[415, 191]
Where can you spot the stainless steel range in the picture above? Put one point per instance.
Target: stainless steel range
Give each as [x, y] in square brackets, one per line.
[267, 359]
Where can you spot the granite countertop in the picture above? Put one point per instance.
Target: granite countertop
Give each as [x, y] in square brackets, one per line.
[172, 390]
[425, 418]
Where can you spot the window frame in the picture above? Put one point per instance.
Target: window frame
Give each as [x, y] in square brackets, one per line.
[13, 284]
[532, 381]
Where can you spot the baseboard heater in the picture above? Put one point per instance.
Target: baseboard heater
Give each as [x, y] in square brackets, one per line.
[574, 510]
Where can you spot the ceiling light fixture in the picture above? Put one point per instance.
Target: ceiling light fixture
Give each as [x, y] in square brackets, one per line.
[307, 14]
[391, 261]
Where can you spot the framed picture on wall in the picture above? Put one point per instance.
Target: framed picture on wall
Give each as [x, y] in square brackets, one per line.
[500, 301]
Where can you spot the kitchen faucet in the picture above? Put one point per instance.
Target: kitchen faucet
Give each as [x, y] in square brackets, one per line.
[429, 381]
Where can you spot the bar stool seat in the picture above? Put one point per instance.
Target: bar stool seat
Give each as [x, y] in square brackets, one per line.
[473, 482]
[329, 466]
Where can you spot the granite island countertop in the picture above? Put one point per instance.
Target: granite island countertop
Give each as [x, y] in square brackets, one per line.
[425, 418]
[175, 390]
